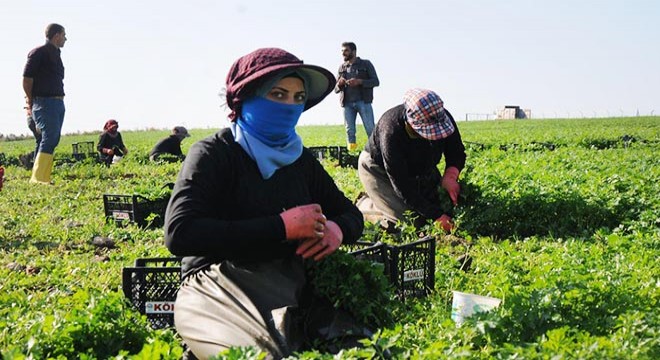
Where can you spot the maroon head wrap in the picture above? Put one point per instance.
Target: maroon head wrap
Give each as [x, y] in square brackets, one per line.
[250, 70]
[110, 123]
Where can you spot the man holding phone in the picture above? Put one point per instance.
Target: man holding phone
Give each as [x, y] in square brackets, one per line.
[356, 81]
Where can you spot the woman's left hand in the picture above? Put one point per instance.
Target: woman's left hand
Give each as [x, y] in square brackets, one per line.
[318, 248]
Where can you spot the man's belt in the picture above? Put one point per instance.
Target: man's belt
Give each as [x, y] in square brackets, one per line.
[51, 97]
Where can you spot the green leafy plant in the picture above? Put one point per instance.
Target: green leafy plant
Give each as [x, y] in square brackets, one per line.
[357, 286]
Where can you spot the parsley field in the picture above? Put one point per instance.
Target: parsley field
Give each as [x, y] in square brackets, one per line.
[561, 219]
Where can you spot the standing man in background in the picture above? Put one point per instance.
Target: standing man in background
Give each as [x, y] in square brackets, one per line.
[356, 81]
[43, 84]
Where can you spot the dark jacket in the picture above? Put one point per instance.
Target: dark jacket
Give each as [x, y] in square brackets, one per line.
[169, 145]
[405, 159]
[222, 209]
[365, 71]
[107, 141]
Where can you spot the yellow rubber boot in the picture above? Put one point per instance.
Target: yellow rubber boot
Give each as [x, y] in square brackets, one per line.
[352, 146]
[43, 166]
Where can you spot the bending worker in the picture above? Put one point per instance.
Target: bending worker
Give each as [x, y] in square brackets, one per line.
[171, 145]
[399, 166]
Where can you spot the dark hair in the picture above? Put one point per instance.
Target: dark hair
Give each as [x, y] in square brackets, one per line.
[53, 29]
[350, 45]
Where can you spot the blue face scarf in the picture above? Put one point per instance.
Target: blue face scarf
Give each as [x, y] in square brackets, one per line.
[271, 122]
[266, 131]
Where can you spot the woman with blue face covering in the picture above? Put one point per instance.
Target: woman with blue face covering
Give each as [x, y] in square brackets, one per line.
[249, 207]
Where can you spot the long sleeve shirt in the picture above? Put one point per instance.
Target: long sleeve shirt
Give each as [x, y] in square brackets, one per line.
[44, 65]
[404, 158]
[361, 69]
[222, 209]
[107, 141]
[169, 145]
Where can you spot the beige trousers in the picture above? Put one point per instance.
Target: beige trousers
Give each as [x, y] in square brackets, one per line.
[240, 305]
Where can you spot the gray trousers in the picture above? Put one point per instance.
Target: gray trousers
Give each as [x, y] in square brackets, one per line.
[379, 188]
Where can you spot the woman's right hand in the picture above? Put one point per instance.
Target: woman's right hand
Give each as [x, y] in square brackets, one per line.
[446, 223]
[304, 222]
[320, 248]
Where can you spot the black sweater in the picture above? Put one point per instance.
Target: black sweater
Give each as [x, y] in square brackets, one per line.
[107, 141]
[169, 145]
[404, 158]
[222, 209]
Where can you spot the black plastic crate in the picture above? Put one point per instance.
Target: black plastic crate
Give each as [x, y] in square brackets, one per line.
[374, 252]
[151, 286]
[134, 208]
[348, 160]
[326, 152]
[339, 153]
[409, 267]
[82, 150]
[412, 267]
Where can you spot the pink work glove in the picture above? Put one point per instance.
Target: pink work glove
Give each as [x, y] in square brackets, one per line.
[450, 183]
[304, 222]
[320, 248]
[445, 222]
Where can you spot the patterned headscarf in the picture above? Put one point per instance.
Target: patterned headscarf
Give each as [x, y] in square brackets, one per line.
[426, 115]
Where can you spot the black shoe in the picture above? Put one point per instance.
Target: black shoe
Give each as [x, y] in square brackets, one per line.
[188, 355]
[389, 227]
[26, 160]
[464, 262]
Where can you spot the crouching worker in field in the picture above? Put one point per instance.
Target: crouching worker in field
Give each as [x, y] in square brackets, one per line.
[111, 146]
[399, 166]
[249, 208]
[169, 149]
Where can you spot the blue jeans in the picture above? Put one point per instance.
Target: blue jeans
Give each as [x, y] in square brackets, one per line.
[351, 109]
[48, 114]
[36, 132]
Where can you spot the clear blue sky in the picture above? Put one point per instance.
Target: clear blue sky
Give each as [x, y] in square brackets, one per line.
[162, 63]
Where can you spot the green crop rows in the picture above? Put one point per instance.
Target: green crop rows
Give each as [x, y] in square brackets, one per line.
[561, 219]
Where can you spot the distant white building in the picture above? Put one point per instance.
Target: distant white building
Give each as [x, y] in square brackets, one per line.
[514, 112]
